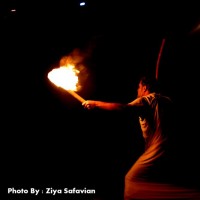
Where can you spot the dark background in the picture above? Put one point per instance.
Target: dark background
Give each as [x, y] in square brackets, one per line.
[50, 140]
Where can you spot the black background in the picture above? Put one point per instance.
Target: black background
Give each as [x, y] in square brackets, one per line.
[50, 140]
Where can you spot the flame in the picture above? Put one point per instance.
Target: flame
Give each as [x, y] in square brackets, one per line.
[65, 77]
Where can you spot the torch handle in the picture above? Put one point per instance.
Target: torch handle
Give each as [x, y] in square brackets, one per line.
[78, 97]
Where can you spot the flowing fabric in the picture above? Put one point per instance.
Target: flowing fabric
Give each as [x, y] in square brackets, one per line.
[148, 177]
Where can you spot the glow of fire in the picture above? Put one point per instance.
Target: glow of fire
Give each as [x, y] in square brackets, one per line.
[65, 77]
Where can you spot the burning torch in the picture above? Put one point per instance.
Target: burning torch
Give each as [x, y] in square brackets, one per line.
[66, 78]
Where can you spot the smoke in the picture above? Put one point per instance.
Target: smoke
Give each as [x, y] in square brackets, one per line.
[81, 58]
[196, 29]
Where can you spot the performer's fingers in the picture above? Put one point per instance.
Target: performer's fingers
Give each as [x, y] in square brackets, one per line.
[88, 106]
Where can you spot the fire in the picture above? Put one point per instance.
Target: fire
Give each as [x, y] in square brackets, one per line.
[65, 77]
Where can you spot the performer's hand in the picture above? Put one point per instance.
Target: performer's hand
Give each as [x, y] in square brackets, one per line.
[89, 104]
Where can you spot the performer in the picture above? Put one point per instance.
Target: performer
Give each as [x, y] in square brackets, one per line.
[148, 178]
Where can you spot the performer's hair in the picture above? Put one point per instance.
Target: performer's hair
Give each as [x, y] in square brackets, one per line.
[150, 82]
